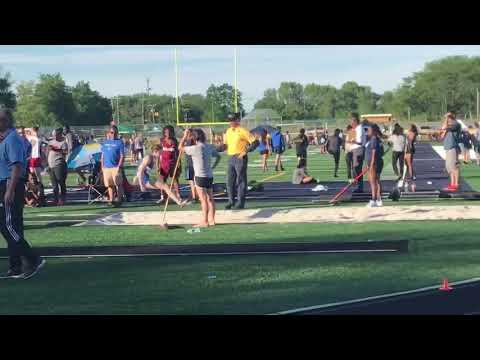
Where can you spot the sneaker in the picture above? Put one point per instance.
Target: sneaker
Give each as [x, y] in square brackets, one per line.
[34, 270]
[449, 188]
[372, 204]
[281, 168]
[379, 203]
[13, 274]
[228, 206]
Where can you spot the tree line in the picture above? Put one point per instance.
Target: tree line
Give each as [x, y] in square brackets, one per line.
[448, 83]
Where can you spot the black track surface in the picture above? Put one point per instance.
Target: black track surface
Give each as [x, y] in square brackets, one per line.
[462, 300]
[373, 246]
[428, 164]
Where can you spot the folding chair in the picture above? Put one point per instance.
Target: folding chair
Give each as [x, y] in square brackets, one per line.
[97, 192]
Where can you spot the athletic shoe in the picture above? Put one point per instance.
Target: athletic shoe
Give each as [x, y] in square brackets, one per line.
[34, 270]
[228, 206]
[160, 201]
[372, 204]
[379, 203]
[414, 178]
[12, 274]
[450, 188]
[281, 168]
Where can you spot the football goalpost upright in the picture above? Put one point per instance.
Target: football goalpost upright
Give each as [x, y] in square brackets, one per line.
[177, 96]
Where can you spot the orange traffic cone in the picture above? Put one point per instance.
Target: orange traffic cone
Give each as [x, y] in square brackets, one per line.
[445, 286]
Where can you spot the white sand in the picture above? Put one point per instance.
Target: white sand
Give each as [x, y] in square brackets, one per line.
[311, 215]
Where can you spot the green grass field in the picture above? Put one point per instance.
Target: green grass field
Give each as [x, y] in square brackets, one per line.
[240, 284]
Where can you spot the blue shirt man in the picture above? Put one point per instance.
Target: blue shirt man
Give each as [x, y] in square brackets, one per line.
[12, 151]
[112, 151]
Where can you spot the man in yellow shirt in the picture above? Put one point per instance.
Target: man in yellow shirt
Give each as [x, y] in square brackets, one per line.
[238, 141]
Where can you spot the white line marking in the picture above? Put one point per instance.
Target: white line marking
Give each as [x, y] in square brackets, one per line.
[213, 253]
[355, 301]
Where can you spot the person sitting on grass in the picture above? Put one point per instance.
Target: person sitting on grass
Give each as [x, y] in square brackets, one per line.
[300, 175]
[143, 176]
[201, 154]
[301, 145]
[374, 163]
[264, 148]
[334, 145]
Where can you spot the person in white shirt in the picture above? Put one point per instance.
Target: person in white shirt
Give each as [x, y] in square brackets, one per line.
[35, 163]
[357, 149]
[398, 141]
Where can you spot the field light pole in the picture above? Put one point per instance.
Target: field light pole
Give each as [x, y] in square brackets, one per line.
[176, 86]
[235, 80]
[118, 112]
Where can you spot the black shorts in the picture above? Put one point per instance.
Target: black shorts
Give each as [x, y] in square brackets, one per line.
[189, 173]
[379, 167]
[302, 154]
[204, 182]
[278, 150]
[263, 152]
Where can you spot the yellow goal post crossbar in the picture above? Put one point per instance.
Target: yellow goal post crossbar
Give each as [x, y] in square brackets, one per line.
[177, 99]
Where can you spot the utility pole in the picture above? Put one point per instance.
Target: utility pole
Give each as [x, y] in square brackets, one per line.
[478, 106]
[409, 114]
[118, 112]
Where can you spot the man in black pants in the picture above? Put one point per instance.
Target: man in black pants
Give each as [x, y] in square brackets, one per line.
[12, 192]
[238, 141]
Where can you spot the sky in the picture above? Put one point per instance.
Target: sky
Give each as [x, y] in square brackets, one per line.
[122, 69]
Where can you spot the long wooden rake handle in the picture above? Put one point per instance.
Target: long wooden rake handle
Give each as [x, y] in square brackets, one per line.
[171, 184]
[336, 197]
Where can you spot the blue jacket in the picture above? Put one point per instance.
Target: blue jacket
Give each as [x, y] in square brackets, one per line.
[277, 140]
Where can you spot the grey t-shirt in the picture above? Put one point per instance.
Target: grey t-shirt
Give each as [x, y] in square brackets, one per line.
[452, 136]
[57, 158]
[298, 175]
[201, 156]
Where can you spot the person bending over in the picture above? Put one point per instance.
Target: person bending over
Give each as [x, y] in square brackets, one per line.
[143, 176]
[201, 154]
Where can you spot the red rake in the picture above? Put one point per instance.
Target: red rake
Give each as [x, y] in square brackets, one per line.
[344, 190]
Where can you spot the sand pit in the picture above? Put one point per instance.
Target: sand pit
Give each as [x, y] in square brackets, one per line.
[311, 215]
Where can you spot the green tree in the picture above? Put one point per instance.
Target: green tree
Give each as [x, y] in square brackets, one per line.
[7, 96]
[91, 108]
[221, 98]
[270, 100]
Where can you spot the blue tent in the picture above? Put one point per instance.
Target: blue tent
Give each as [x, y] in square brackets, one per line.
[84, 155]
